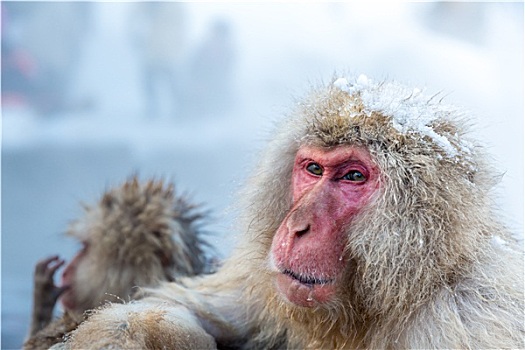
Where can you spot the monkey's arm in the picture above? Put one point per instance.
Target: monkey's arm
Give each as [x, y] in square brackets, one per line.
[141, 325]
[45, 293]
[219, 307]
[199, 317]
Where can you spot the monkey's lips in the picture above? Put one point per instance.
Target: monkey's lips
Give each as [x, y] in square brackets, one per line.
[304, 290]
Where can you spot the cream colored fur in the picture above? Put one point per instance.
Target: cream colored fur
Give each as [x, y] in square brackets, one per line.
[432, 265]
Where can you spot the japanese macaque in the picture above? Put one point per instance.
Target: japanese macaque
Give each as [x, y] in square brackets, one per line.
[367, 224]
[138, 234]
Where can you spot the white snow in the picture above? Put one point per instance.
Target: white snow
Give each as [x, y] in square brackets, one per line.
[411, 111]
[498, 241]
[342, 84]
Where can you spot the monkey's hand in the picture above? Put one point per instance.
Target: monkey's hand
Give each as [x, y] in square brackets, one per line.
[141, 325]
[45, 293]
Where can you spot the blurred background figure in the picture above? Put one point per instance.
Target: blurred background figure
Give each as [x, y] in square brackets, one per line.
[18, 67]
[41, 48]
[459, 20]
[211, 72]
[159, 31]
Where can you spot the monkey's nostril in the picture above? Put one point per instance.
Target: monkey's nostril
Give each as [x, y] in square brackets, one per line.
[300, 233]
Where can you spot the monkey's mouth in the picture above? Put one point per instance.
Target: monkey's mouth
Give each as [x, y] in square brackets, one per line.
[308, 280]
[305, 290]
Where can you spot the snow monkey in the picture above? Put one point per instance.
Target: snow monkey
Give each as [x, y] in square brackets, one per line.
[138, 234]
[367, 224]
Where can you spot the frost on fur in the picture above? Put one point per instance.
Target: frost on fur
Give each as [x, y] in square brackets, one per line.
[411, 111]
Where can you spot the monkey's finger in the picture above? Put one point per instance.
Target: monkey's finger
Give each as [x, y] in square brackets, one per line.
[41, 266]
[52, 268]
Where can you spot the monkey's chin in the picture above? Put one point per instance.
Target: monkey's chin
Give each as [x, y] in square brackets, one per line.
[304, 294]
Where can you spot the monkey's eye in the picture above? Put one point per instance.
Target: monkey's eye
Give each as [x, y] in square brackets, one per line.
[315, 169]
[354, 175]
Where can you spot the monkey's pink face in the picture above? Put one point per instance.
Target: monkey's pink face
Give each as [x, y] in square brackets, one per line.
[69, 297]
[329, 187]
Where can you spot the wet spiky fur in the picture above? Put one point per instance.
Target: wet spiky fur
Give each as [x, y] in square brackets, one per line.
[138, 234]
[430, 264]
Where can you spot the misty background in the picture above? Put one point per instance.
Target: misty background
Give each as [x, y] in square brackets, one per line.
[93, 92]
